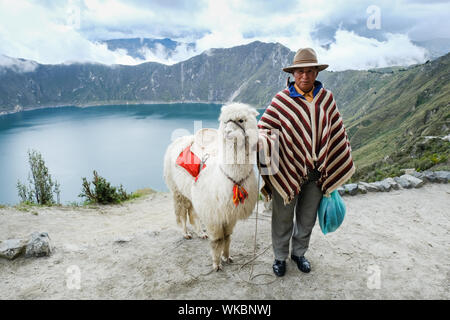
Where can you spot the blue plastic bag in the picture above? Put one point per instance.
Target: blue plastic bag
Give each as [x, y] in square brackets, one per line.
[331, 212]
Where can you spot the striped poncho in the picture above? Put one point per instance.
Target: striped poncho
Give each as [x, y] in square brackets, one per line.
[299, 136]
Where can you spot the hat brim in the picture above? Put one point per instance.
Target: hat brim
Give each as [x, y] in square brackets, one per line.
[291, 69]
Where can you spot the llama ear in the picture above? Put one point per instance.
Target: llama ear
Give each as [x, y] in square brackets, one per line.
[254, 112]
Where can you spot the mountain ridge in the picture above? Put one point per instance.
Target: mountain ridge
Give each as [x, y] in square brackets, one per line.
[255, 71]
[387, 111]
[80, 84]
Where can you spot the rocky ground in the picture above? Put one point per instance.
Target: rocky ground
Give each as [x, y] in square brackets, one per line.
[392, 245]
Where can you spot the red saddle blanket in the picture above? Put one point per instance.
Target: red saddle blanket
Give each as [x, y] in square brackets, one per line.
[189, 161]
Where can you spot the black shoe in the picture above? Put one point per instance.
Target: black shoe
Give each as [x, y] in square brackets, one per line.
[279, 268]
[302, 263]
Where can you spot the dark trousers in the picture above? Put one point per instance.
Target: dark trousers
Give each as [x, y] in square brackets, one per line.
[295, 228]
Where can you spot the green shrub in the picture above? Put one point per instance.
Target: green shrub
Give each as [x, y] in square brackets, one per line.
[42, 187]
[102, 191]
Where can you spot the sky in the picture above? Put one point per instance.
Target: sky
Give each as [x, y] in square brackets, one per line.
[346, 34]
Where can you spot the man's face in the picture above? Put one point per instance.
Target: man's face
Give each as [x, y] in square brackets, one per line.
[305, 77]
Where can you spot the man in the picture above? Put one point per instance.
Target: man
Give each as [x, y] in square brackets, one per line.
[304, 153]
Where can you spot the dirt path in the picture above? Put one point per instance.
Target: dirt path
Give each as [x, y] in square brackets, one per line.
[391, 246]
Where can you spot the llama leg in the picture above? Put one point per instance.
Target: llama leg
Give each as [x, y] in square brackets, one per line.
[196, 223]
[228, 230]
[216, 251]
[226, 249]
[179, 202]
[215, 234]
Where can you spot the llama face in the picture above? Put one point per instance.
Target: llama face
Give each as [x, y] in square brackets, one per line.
[238, 128]
[235, 129]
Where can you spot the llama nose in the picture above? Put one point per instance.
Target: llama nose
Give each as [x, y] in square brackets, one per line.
[228, 131]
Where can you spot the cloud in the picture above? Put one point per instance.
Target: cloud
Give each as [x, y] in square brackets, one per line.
[35, 33]
[411, 17]
[351, 51]
[17, 65]
[109, 19]
[351, 43]
[163, 55]
[54, 31]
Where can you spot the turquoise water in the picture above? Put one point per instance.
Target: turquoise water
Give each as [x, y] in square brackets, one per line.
[124, 144]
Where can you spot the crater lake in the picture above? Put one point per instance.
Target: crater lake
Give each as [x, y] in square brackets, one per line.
[125, 144]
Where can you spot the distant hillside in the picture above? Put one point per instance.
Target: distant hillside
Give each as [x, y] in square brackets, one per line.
[392, 115]
[250, 73]
[388, 112]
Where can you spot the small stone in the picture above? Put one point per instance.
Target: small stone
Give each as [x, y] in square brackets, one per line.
[12, 248]
[382, 185]
[362, 188]
[416, 174]
[442, 176]
[374, 186]
[404, 183]
[123, 240]
[369, 187]
[386, 185]
[351, 188]
[415, 182]
[38, 246]
[393, 183]
[428, 176]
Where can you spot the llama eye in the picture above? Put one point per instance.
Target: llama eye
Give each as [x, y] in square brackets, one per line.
[240, 120]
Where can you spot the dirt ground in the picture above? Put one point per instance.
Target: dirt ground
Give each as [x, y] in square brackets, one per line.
[391, 246]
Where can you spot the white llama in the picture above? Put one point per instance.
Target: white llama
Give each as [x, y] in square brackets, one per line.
[225, 190]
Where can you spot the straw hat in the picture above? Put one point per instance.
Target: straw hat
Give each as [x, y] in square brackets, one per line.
[305, 58]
